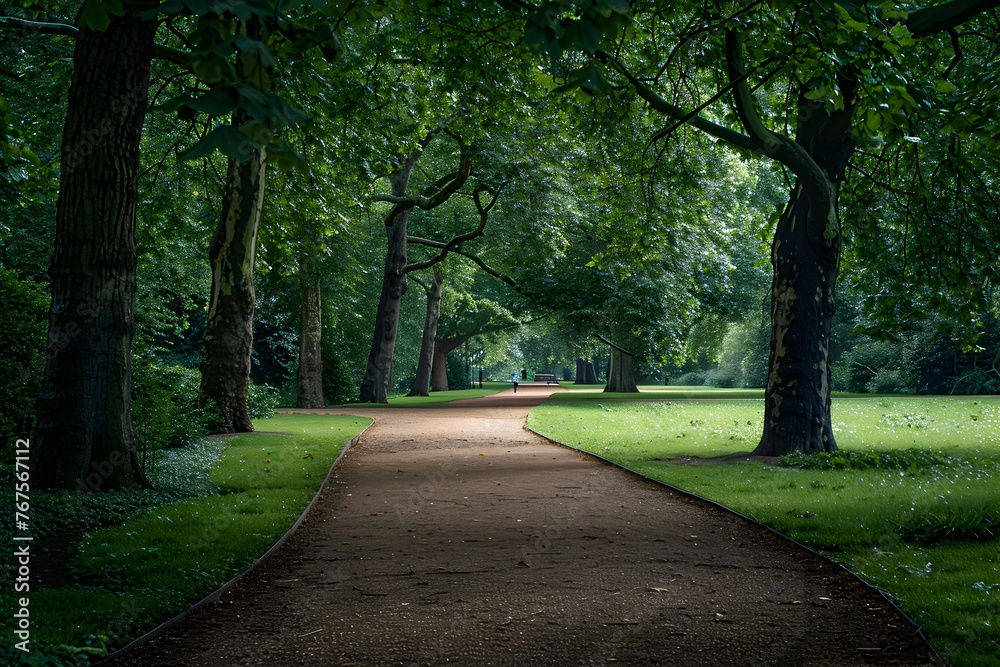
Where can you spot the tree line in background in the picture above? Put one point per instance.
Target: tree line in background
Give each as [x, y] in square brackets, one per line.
[209, 208]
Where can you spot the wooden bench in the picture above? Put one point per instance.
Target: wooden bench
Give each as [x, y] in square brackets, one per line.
[547, 378]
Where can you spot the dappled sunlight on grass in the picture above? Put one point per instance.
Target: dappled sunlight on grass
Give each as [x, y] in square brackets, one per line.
[910, 502]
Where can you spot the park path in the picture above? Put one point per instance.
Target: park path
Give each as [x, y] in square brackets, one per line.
[451, 535]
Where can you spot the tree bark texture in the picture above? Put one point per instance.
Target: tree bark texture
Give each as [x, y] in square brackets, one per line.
[621, 376]
[805, 257]
[378, 373]
[84, 439]
[421, 384]
[442, 348]
[797, 398]
[310, 373]
[228, 340]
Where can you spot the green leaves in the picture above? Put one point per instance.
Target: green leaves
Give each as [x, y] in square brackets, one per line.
[584, 26]
[96, 14]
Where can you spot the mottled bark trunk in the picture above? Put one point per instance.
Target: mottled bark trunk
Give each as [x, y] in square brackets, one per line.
[378, 373]
[805, 256]
[228, 340]
[310, 371]
[621, 376]
[84, 439]
[421, 384]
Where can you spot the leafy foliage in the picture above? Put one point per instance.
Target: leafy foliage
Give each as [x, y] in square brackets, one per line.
[23, 328]
[953, 524]
[911, 460]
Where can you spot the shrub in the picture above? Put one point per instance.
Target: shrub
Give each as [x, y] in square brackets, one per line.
[912, 460]
[262, 400]
[972, 524]
[163, 405]
[23, 330]
[692, 379]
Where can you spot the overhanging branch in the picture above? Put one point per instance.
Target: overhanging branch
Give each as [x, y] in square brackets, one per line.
[450, 246]
[733, 138]
[948, 16]
[617, 347]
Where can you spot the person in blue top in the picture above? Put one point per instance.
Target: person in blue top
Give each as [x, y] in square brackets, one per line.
[515, 380]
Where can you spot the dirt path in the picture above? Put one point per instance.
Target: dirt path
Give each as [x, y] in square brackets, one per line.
[451, 535]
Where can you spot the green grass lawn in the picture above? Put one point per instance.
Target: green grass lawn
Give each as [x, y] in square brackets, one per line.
[247, 491]
[438, 397]
[910, 504]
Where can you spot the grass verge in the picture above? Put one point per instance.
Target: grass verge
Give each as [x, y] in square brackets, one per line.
[910, 503]
[438, 397]
[123, 580]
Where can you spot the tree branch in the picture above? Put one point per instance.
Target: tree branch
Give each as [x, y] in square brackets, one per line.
[776, 146]
[484, 213]
[42, 27]
[608, 342]
[931, 20]
[735, 139]
[489, 270]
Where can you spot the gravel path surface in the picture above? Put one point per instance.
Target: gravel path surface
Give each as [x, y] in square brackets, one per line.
[451, 535]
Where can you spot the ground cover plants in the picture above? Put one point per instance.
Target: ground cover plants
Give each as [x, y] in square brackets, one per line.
[910, 501]
[137, 559]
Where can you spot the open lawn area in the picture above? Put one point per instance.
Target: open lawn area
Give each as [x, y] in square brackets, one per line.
[910, 502]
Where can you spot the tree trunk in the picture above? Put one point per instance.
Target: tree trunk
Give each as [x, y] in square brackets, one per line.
[378, 372]
[590, 372]
[228, 340]
[621, 377]
[805, 257]
[442, 348]
[84, 439]
[581, 371]
[421, 385]
[310, 373]
[797, 398]
[439, 369]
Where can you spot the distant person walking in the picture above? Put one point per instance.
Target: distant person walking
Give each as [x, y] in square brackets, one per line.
[515, 380]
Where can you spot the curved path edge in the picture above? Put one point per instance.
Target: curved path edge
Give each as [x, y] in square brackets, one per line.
[169, 624]
[918, 630]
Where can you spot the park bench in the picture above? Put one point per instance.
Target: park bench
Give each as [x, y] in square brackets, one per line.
[547, 378]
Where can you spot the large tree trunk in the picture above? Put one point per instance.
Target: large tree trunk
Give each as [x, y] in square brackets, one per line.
[442, 348]
[378, 372]
[421, 384]
[581, 371]
[310, 373]
[228, 340]
[590, 374]
[84, 439]
[621, 377]
[805, 257]
[797, 398]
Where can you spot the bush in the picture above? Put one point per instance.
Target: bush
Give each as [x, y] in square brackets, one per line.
[262, 400]
[692, 379]
[163, 405]
[23, 331]
[743, 356]
[971, 524]
[872, 366]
